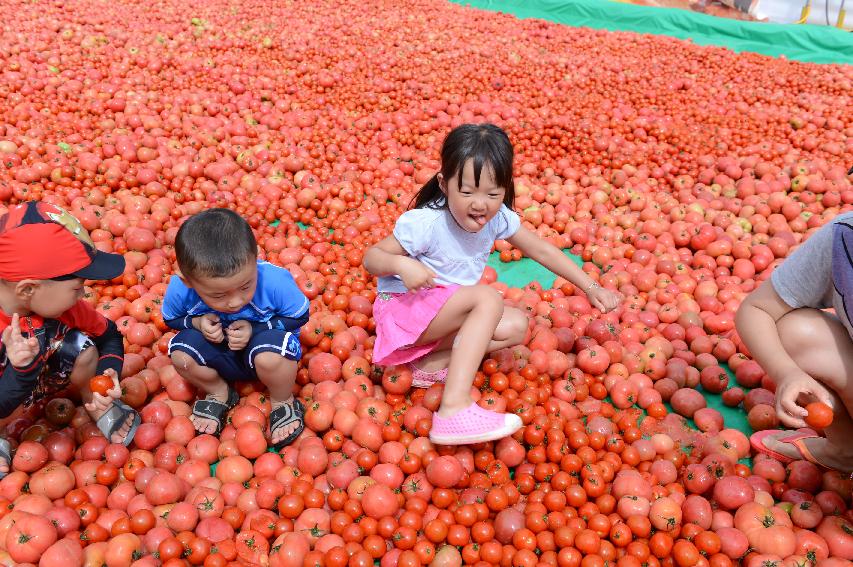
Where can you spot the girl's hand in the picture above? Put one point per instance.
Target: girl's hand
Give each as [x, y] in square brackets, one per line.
[416, 275]
[603, 299]
[20, 350]
[793, 393]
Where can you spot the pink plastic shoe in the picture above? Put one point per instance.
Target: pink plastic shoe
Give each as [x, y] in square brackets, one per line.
[473, 425]
[424, 379]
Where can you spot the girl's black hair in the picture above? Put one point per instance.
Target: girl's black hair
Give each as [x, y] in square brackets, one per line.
[486, 144]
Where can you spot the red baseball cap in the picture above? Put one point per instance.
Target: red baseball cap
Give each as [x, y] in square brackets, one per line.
[41, 241]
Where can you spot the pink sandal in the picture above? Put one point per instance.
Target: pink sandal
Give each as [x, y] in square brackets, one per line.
[794, 438]
[473, 425]
[424, 379]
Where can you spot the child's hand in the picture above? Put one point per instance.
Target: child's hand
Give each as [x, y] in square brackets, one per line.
[416, 275]
[603, 299]
[793, 392]
[210, 327]
[239, 333]
[99, 403]
[20, 350]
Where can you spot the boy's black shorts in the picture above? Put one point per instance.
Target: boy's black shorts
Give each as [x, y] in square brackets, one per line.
[235, 366]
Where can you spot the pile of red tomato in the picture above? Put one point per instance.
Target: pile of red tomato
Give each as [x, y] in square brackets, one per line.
[682, 175]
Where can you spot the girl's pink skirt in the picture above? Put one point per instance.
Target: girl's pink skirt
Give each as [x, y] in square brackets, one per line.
[401, 319]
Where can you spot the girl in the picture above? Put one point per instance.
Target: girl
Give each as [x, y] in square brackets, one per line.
[430, 308]
[807, 351]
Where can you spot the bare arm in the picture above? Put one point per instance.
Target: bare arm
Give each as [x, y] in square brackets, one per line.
[757, 322]
[553, 258]
[384, 258]
[388, 258]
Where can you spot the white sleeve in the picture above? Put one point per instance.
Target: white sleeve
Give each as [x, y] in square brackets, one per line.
[412, 231]
[506, 222]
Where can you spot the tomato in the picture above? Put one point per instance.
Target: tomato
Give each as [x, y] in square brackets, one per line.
[665, 514]
[59, 411]
[685, 553]
[819, 415]
[106, 474]
[101, 384]
[838, 533]
[170, 548]
[29, 537]
[142, 521]
[769, 530]
[122, 548]
[132, 467]
[660, 545]
[252, 546]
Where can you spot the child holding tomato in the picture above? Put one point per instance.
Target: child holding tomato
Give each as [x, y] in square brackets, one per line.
[238, 319]
[429, 308]
[806, 350]
[51, 338]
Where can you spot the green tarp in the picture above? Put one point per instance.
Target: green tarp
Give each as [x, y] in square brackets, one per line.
[816, 44]
[521, 273]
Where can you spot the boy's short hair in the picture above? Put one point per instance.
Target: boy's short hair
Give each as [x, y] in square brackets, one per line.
[215, 243]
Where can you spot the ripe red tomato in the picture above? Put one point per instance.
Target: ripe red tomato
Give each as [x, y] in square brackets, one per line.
[101, 384]
[820, 415]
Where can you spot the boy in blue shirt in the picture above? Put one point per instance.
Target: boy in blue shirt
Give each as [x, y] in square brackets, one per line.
[238, 319]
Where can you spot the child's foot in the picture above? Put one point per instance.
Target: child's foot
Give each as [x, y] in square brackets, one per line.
[430, 369]
[433, 362]
[105, 411]
[472, 425]
[208, 415]
[810, 447]
[5, 457]
[287, 420]
[424, 379]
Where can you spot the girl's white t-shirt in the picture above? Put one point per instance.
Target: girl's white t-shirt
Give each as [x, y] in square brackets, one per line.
[456, 256]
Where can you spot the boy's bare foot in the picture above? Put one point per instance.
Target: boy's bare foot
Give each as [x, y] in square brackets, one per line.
[206, 425]
[100, 405]
[291, 426]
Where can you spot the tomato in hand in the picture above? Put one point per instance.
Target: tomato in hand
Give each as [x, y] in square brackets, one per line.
[820, 415]
[101, 384]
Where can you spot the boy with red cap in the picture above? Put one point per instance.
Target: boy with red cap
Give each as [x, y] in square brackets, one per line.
[51, 338]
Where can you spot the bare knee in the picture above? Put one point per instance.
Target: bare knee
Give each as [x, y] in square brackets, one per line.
[514, 325]
[270, 364]
[85, 365]
[183, 363]
[819, 344]
[87, 358]
[489, 299]
[797, 332]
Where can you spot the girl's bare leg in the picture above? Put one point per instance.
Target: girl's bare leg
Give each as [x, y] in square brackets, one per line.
[474, 314]
[821, 346]
[511, 331]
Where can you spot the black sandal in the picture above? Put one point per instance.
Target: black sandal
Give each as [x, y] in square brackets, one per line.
[6, 454]
[284, 415]
[215, 410]
[114, 418]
